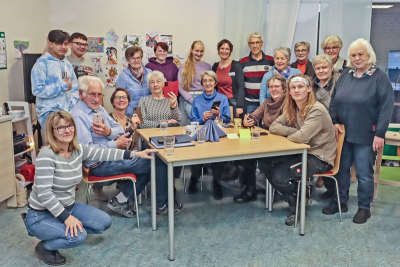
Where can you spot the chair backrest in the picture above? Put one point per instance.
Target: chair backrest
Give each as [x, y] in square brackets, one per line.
[171, 87]
[339, 147]
[85, 173]
[231, 109]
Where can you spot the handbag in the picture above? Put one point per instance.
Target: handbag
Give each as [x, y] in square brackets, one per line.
[21, 192]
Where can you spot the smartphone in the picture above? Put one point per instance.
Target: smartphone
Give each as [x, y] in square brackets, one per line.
[216, 104]
[138, 112]
[263, 133]
[98, 118]
[129, 135]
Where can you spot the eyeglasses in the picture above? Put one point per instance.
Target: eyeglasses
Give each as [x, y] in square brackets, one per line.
[162, 51]
[94, 95]
[118, 97]
[135, 58]
[81, 44]
[255, 43]
[333, 48]
[62, 129]
[274, 86]
[300, 51]
[208, 81]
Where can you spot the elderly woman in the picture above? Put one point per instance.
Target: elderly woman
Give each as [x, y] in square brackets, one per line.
[332, 44]
[189, 75]
[304, 120]
[157, 108]
[302, 50]
[268, 112]
[363, 102]
[230, 77]
[53, 215]
[202, 112]
[163, 63]
[323, 84]
[281, 67]
[133, 78]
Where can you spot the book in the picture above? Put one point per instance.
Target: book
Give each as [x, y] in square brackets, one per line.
[181, 141]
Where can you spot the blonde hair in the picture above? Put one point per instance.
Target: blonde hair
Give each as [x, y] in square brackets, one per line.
[189, 70]
[332, 39]
[290, 106]
[52, 122]
[254, 35]
[324, 58]
[370, 51]
[279, 78]
[306, 44]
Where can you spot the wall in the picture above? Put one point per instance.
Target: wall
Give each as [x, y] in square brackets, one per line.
[26, 21]
[186, 20]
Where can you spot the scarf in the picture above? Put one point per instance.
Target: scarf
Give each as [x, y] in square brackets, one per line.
[272, 111]
[138, 75]
[338, 66]
[284, 73]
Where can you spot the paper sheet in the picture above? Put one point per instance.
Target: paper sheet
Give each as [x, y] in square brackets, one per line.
[112, 58]
[168, 40]
[95, 44]
[232, 136]
[111, 75]
[112, 38]
[96, 59]
[3, 52]
[20, 48]
[179, 59]
[131, 40]
[245, 133]
[151, 41]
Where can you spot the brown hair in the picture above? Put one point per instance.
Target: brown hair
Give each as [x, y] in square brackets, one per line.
[77, 35]
[290, 106]
[52, 122]
[279, 78]
[189, 71]
[131, 51]
[225, 41]
[115, 92]
[163, 46]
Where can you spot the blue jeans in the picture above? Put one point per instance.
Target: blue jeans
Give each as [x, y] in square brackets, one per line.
[44, 226]
[363, 157]
[188, 108]
[141, 168]
[252, 106]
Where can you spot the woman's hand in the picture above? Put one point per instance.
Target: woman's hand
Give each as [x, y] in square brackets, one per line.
[207, 115]
[215, 112]
[247, 121]
[134, 121]
[73, 224]
[239, 111]
[337, 131]
[145, 154]
[172, 99]
[378, 143]
[172, 121]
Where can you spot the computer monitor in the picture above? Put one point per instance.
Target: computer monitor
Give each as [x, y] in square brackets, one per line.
[28, 61]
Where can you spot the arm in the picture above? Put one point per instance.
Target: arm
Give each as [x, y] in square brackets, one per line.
[239, 76]
[85, 135]
[385, 106]
[280, 127]
[39, 86]
[312, 126]
[147, 122]
[258, 114]
[104, 154]
[74, 91]
[196, 114]
[225, 111]
[186, 95]
[176, 114]
[264, 88]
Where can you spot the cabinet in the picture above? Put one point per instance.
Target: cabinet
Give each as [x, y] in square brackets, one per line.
[7, 177]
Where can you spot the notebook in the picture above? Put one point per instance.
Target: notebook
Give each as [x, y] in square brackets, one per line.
[181, 141]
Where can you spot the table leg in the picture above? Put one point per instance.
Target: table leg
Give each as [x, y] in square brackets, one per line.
[303, 192]
[270, 196]
[171, 210]
[153, 191]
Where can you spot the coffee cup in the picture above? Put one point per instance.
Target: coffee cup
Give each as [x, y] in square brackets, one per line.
[190, 130]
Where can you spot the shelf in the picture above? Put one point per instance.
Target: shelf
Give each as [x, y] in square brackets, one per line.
[20, 119]
[23, 152]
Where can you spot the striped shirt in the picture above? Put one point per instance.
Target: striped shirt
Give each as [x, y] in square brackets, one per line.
[253, 73]
[56, 177]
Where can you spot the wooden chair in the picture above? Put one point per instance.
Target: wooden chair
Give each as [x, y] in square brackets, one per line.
[90, 180]
[329, 174]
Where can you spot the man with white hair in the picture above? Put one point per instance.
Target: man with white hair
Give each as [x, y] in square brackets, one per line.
[110, 134]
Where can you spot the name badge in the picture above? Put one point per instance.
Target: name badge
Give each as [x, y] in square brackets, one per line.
[231, 74]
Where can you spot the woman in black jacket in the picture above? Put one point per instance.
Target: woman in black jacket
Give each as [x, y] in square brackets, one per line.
[230, 78]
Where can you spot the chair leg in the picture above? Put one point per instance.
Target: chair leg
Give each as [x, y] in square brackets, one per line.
[297, 204]
[184, 180]
[145, 192]
[89, 186]
[140, 199]
[136, 205]
[270, 196]
[201, 180]
[266, 193]
[338, 198]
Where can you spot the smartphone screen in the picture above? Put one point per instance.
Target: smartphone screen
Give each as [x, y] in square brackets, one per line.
[216, 104]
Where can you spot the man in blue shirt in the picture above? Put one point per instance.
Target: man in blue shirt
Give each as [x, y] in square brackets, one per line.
[110, 134]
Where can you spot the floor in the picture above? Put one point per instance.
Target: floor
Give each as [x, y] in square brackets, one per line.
[221, 233]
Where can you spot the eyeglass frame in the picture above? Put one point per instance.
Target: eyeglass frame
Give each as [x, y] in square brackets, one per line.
[81, 44]
[61, 129]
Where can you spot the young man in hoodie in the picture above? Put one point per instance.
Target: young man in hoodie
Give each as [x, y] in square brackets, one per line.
[79, 45]
[53, 79]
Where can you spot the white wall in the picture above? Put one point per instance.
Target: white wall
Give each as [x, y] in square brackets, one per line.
[22, 20]
[186, 20]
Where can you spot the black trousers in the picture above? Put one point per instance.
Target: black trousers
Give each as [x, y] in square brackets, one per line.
[283, 172]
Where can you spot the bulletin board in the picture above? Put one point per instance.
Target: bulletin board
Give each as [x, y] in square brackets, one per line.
[3, 53]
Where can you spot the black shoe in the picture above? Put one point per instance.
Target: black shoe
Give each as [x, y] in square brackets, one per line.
[289, 221]
[121, 208]
[192, 185]
[248, 194]
[362, 216]
[217, 191]
[178, 207]
[334, 208]
[327, 194]
[50, 257]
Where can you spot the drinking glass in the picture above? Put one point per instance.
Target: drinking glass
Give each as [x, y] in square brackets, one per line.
[201, 135]
[255, 133]
[163, 126]
[169, 143]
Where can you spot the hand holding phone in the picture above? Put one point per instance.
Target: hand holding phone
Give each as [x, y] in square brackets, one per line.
[216, 104]
[138, 112]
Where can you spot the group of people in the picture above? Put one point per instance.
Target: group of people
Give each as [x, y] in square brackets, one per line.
[304, 101]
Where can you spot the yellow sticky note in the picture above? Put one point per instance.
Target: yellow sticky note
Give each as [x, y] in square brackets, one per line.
[245, 133]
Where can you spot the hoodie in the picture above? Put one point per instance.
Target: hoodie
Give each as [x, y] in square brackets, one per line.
[169, 69]
[48, 85]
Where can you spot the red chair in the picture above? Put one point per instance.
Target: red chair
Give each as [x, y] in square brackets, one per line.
[91, 179]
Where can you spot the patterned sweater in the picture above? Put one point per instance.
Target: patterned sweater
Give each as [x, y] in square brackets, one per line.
[55, 179]
[156, 110]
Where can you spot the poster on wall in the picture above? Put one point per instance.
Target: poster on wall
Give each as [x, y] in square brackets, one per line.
[3, 54]
[95, 44]
[20, 48]
[111, 73]
[96, 59]
[179, 59]
[112, 38]
[111, 53]
[151, 41]
[168, 40]
[131, 40]
[124, 63]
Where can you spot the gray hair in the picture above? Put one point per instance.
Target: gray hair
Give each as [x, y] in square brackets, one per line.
[255, 35]
[324, 58]
[156, 74]
[332, 39]
[306, 44]
[209, 73]
[85, 81]
[370, 51]
[283, 50]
